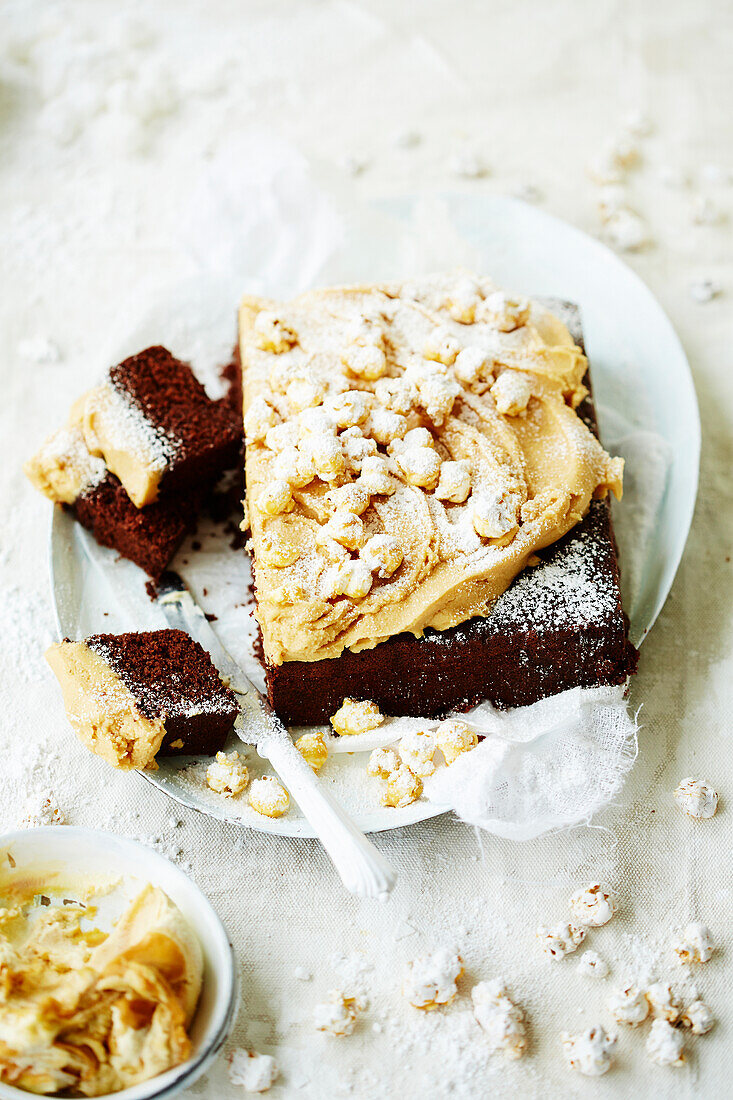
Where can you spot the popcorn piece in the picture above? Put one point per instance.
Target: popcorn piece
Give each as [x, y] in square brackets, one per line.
[612, 198]
[665, 1045]
[628, 1006]
[591, 965]
[357, 447]
[472, 364]
[366, 361]
[695, 945]
[419, 466]
[338, 1015]
[626, 230]
[314, 750]
[282, 437]
[356, 716]
[295, 468]
[351, 578]
[227, 774]
[590, 1052]
[281, 373]
[454, 737]
[454, 483]
[437, 395]
[698, 1018]
[613, 160]
[375, 476]
[592, 906]
[268, 797]
[512, 391]
[504, 312]
[349, 498]
[288, 594]
[346, 528]
[397, 394]
[350, 409]
[500, 1018]
[276, 498]
[441, 345]
[316, 421]
[254, 1072]
[704, 290]
[385, 425]
[462, 300]
[382, 762]
[417, 749]
[382, 554]
[495, 513]
[467, 164]
[696, 798]
[305, 392]
[402, 787]
[258, 420]
[325, 454]
[430, 981]
[663, 1003]
[561, 940]
[272, 332]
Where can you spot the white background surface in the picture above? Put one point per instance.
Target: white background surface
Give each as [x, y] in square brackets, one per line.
[101, 212]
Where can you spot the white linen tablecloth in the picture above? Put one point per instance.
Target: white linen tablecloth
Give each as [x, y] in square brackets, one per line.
[110, 114]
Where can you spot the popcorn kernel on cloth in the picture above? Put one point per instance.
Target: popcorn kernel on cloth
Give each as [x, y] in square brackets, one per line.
[430, 981]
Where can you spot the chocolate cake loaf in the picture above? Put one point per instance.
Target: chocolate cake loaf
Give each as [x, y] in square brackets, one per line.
[131, 697]
[525, 467]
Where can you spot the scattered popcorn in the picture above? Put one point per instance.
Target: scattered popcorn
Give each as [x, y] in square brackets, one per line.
[384, 426]
[626, 230]
[268, 797]
[590, 1052]
[401, 788]
[306, 392]
[696, 798]
[472, 364]
[417, 749]
[350, 578]
[288, 594]
[663, 1003]
[430, 981]
[314, 750]
[254, 1072]
[272, 332]
[665, 1045]
[705, 211]
[441, 345]
[282, 437]
[382, 554]
[41, 810]
[612, 198]
[316, 420]
[591, 965]
[467, 165]
[512, 391]
[628, 1006]
[346, 528]
[356, 716]
[613, 160]
[419, 466]
[258, 420]
[561, 940]
[227, 774]
[704, 290]
[502, 1020]
[436, 394]
[695, 945]
[382, 762]
[357, 447]
[454, 737]
[462, 300]
[350, 409]
[338, 1015]
[276, 498]
[495, 513]
[698, 1018]
[416, 437]
[366, 361]
[375, 476]
[592, 906]
[39, 349]
[504, 312]
[454, 484]
[349, 498]
[397, 394]
[295, 468]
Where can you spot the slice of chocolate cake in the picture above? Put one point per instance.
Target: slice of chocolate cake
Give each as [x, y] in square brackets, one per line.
[157, 429]
[131, 697]
[66, 472]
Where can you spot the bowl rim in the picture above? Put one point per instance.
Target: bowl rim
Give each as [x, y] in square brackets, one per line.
[179, 1077]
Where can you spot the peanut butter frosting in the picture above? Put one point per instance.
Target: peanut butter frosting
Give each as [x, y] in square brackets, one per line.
[410, 446]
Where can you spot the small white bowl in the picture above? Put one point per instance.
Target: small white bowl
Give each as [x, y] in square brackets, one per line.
[87, 853]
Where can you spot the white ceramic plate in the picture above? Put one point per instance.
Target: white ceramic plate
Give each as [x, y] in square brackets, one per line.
[95, 856]
[641, 382]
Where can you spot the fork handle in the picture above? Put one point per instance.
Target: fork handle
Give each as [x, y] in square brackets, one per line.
[363, 870]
